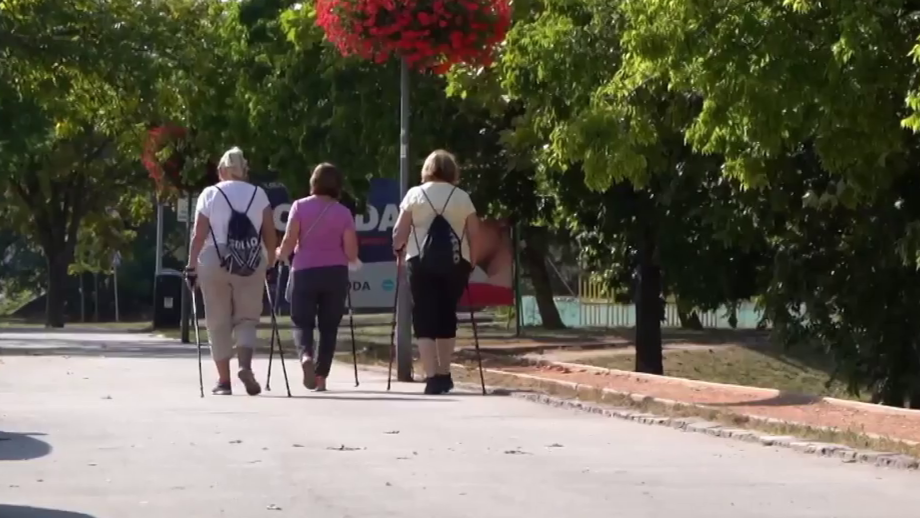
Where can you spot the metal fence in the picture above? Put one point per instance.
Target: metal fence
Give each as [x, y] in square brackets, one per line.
[592, 307]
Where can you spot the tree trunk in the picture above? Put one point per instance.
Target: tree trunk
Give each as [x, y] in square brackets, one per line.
[689, 319]
[914, 397]
[649, 309]
[533, 255]
[892, 393]
[96, 294]
[56, 296]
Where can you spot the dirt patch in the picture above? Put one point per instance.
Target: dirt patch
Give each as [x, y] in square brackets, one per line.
[787, 407]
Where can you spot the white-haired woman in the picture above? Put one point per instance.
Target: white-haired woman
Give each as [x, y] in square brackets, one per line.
[230, 267]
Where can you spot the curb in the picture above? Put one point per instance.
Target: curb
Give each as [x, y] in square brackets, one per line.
[693, 424]
[845, 454]
[858, 405]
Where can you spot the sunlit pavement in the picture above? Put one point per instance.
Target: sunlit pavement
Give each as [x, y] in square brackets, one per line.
[112, 426]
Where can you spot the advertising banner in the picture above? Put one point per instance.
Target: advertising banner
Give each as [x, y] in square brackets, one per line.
[491, 283]
[374, 285]
[280, 200]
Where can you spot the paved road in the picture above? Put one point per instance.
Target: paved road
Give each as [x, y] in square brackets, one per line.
[127, 436]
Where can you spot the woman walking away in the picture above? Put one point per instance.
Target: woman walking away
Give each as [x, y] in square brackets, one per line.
[323, 232]
[436, 226]
[233, 221]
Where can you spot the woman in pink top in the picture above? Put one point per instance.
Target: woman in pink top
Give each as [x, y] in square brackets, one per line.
[323, 230]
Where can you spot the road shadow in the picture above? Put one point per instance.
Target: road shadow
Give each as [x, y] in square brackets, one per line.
[496, 392]
[782, 399]
[342, 397]
[22, 446]
[79, 346]
[18, 511]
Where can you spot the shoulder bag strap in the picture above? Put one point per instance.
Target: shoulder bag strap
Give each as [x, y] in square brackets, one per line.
[318, 219]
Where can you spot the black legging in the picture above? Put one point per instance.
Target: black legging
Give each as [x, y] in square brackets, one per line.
[319, 296]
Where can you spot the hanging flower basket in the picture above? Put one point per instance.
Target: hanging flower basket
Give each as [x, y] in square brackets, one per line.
[428, 34]
[167, 174]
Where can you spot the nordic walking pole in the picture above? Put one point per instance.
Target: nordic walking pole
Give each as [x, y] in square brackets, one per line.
[271, 349]
[190, 282]
[354, 346]
[275, 331]
[393, 329]
[469, 300]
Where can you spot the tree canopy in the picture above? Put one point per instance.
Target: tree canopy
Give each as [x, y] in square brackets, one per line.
[708, 152]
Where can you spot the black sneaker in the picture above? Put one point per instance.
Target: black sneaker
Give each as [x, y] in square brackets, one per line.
[222, 389]
[249, 381]
[433, 386]
[448, 382]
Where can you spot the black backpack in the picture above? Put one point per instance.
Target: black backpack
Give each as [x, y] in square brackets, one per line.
[441, 253]
[244, 242]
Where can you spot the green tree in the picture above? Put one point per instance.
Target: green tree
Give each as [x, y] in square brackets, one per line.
[648, 212]
[806, 102]
[80, 82]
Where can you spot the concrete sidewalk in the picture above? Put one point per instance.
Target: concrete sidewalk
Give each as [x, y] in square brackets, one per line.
[128, 436]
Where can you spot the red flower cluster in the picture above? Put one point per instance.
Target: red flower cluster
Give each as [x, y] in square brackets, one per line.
[433, 34]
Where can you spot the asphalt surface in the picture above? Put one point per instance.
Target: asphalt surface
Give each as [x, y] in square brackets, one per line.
[117, 429]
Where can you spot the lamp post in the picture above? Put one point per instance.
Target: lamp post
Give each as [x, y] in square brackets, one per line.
[404, 304]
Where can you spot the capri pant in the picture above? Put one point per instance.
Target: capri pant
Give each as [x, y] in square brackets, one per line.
[232, 306]
[434, 300]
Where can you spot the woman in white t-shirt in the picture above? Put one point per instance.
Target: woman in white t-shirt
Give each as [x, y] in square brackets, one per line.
[435, 295]
[232, 301]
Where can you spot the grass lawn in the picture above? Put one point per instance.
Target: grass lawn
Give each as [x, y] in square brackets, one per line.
[767, 367]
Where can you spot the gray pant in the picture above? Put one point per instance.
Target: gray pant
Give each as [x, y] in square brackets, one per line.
[319, 297]
[232, 305]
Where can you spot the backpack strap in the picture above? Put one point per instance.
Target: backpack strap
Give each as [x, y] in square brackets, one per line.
[232, 210]
[211, 227]
[441, 213]
[255, 190]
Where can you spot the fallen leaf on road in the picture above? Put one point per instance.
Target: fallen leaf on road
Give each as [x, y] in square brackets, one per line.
[516, 452]
[343, 448]
[394, 432]
[555, 445]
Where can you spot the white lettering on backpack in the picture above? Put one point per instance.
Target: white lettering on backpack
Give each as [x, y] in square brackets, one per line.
[457, 248]
[243, 244]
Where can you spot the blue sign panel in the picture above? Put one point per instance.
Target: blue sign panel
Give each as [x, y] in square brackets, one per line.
[374, 285]
[375, 227]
